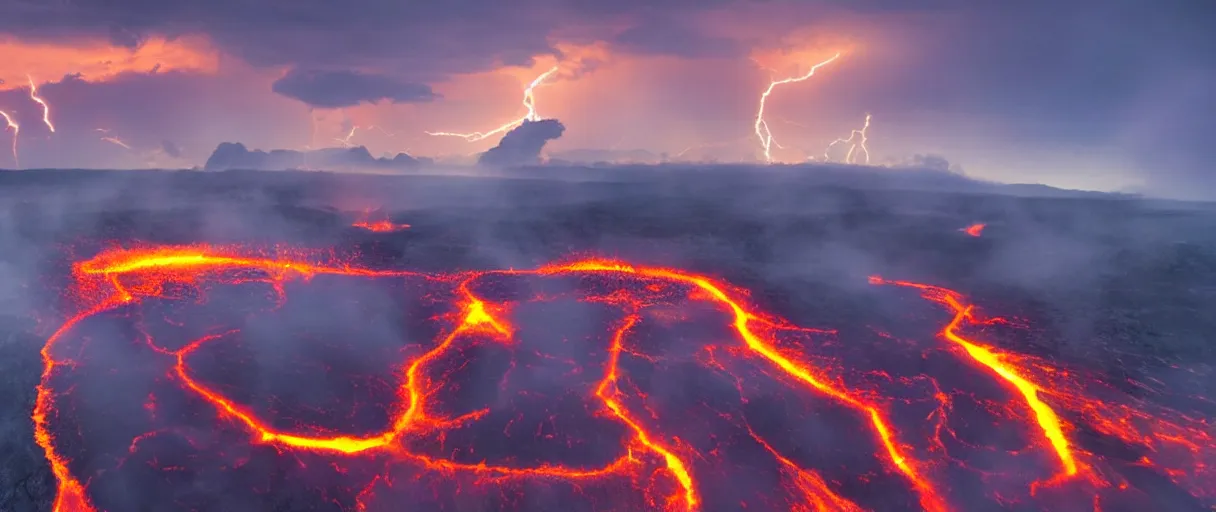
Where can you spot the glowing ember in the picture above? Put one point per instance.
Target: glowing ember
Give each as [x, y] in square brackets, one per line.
[1185, 439]
[377, 222]
[975, 229]
[658, 462]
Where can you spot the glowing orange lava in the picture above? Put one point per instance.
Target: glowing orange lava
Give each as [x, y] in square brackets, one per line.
[808, 483]
[376, 223]
[975, 229]
[1046, 417]
[1187, 440]
[667, 471]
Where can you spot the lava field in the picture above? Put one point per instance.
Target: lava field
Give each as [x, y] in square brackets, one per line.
[381, 360]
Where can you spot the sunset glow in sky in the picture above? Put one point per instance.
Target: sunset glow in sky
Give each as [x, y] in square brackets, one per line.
[1109, 95]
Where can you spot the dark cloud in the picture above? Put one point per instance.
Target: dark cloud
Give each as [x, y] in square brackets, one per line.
[522, 145]
[675, 37]
[170, 149]
[422, 41]
[120, 36]
[143, 111]
[1077, 77]
[336, 89]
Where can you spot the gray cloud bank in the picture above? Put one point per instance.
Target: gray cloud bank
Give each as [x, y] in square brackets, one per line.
[337, 89]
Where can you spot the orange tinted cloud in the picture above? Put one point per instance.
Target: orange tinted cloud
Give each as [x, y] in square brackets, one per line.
[485, 100]
[791, 61]
[98, 60]
[577, 59]
[573, 61]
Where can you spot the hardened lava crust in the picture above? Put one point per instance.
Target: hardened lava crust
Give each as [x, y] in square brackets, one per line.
[604, 354]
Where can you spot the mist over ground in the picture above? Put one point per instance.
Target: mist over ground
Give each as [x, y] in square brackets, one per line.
[1116, 286]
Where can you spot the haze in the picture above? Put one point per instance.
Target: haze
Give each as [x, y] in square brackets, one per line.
[1111, 95]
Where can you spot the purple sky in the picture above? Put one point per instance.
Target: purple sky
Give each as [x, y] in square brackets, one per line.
[1109, 95]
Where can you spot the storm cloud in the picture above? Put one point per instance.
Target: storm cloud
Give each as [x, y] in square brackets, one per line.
[523, 145]
[336, 89]
[675, 37]
[1011, 91]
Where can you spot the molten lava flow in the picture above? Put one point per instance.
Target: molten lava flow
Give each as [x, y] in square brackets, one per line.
[122, 277]
[1048, 421]
[378, 225]
[975, 229]
[46, 109]
[761, 127]
[764, 348]
[607, 392]
[16, 130]
[665, 470]
[819, 497]
[1183, 445]
[529, 102]
[857, 140]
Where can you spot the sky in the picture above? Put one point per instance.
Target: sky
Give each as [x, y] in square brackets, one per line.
[1091, 94]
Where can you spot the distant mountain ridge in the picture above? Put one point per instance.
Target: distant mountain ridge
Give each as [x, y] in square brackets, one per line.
[520, 152]
[234, 155]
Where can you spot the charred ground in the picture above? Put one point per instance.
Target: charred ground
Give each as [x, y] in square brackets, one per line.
[1119, 287]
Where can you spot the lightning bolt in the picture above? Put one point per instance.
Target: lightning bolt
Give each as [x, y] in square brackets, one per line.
[529, 103]
[857, 140]
[46, 109]
[16, 129]
[762, 131]
[345, 141]
[112, 139]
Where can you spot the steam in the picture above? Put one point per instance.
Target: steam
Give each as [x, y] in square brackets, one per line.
[1106, 283]
[230, 155]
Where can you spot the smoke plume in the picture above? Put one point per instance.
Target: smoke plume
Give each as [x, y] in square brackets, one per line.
[522, 146]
